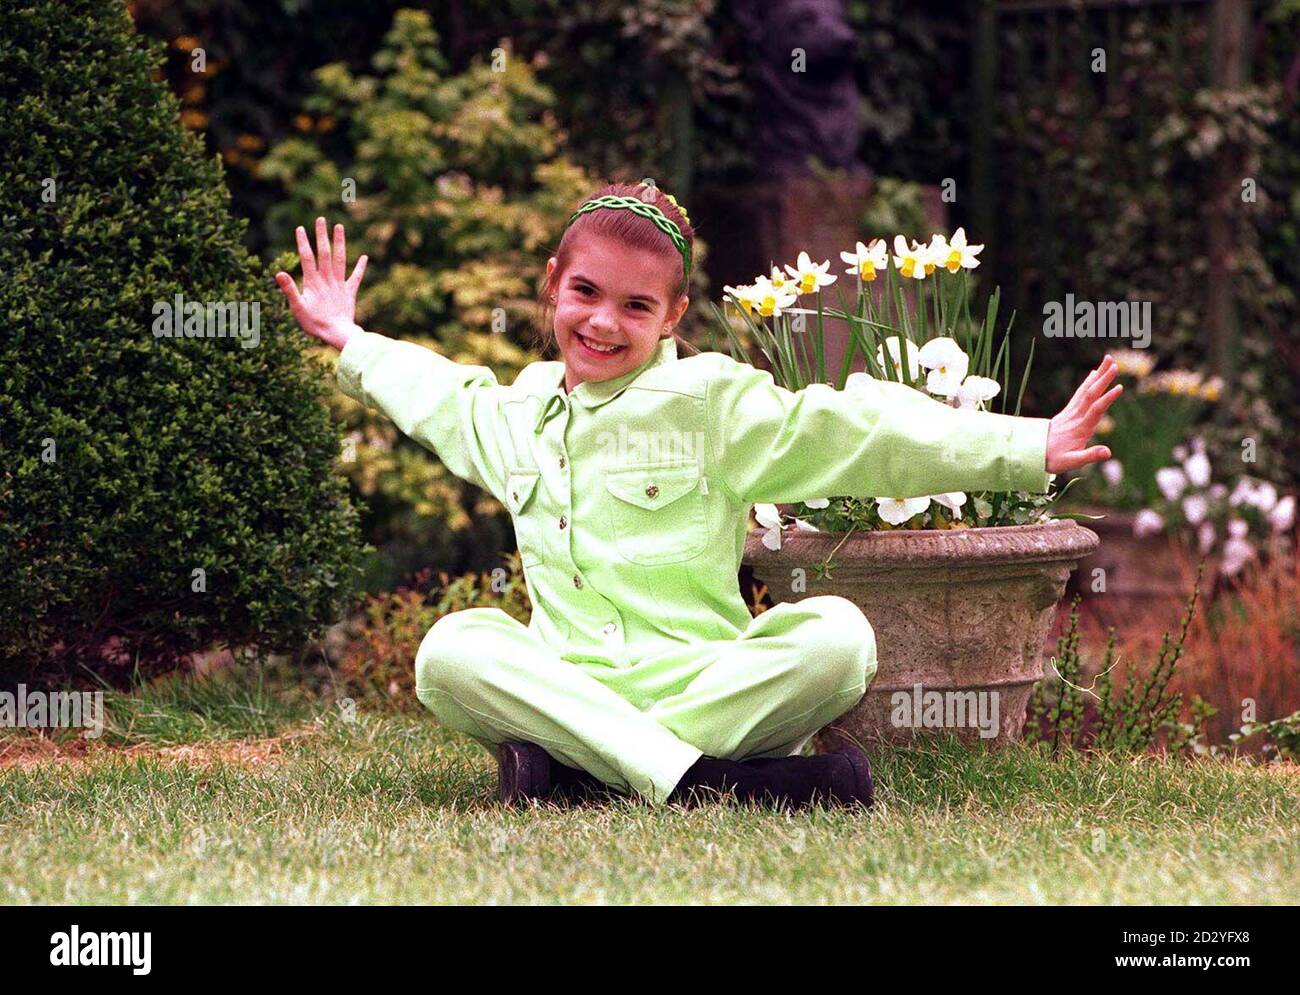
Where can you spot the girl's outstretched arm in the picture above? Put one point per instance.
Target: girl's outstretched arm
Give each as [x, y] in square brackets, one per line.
[448, 407]
[328, 302]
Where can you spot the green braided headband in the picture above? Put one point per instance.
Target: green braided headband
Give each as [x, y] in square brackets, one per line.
[638, 206]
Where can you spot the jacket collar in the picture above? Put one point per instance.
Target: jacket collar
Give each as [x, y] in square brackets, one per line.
[592, 394]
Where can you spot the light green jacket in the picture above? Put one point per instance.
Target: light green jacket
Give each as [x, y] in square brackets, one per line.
[631, 497]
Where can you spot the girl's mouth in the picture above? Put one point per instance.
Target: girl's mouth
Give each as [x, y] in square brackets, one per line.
[596, 348]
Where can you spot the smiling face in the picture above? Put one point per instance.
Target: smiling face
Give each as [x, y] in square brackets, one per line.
[612, 308]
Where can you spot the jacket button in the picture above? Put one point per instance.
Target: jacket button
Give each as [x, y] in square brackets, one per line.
[577, 581]
[561, 462]
[651, 491]
[610, 629]
[563, 521]
[514, 495]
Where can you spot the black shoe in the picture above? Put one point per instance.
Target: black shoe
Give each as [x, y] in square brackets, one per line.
[859, 789]
[571, 784]
[523, 772]
[839, 778]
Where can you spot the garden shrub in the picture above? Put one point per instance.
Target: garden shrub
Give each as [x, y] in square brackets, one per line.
[157, 494]
[378, 662]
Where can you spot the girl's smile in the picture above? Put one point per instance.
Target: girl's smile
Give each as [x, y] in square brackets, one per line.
[612, 308]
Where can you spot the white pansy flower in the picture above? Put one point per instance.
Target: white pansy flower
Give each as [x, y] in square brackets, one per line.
[896, 511]
[952, 500]
[859, 381]
[947, 364]
[1171, 481]
[1197, 468]
[1282, 517]
[913, 361]
[768, 517]
[1265, 497]
[1195, 508]
[1206, 537]
[1237, 552]
[1113, 471]
[818, 502]
[974, 391]
[1147, 523]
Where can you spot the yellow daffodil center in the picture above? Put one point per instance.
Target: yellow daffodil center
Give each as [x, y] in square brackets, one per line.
[909, 264]
[807, 284]
[868, 270]
[954, 261]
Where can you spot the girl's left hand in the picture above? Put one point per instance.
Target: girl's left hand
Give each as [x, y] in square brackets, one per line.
[1068, 433]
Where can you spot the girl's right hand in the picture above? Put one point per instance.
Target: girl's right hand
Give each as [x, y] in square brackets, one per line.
[328, 301]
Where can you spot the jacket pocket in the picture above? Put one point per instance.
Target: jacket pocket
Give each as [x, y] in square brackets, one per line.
[521, 486]
[656, 514]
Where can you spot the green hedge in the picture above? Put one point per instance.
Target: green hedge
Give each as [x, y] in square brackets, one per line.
[129, 461]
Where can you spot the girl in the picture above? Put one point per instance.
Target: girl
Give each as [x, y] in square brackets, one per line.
[629, 474]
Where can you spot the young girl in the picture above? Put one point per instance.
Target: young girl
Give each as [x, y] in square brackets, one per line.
[629, 474]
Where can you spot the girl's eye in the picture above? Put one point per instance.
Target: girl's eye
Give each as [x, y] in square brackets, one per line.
[583, 289]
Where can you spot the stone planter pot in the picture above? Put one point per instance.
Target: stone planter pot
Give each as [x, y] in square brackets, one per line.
[1146, 580]
[954, 611]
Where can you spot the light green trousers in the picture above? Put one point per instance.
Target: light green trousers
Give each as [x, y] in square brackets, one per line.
[639, 725]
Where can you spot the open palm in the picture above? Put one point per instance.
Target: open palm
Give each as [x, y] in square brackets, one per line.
[1068, 433]
[327, 304]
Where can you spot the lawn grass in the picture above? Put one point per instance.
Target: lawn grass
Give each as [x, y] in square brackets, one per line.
[242, 791]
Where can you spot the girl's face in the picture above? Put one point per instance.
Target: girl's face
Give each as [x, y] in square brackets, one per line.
[612, 308]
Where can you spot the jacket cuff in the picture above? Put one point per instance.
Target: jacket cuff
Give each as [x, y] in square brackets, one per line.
[1026, 455]
[353, 359]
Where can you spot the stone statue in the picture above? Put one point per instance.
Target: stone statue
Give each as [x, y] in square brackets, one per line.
[806, 99]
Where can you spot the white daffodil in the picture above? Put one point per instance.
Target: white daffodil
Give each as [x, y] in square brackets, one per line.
[818, 503]
[779, 280]
[957, 254]
[913, 357]
[1147, 523]
[935, 252]
[1113, 471]
[1282, 517]
[910, 261]
[745, 296]
[1197, 468]
[1195, 508]
[974, 391]
[770, 300]
[947, 364]
[953, 500]
[867, 260]
[896, 511]
[809, 276]
[1171, 481]
[1205, 537]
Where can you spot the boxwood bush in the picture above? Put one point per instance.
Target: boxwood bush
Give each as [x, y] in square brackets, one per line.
[157, 494]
